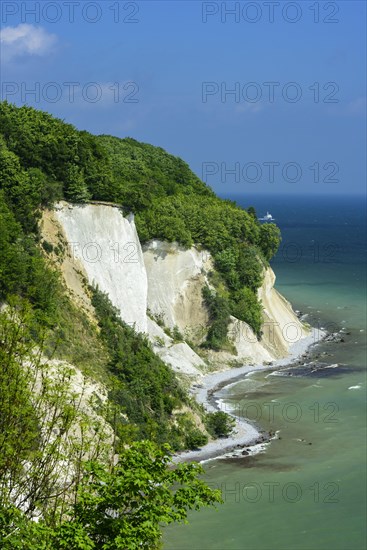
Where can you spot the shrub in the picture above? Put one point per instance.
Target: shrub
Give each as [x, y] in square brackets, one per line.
[196, 439]
[47, 247]
[246, 307]
[219, 311]
[219, 424]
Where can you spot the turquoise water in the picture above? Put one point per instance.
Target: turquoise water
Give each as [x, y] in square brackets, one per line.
[307, 490]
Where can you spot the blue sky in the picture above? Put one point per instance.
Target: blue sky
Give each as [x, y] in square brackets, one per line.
[162, 72]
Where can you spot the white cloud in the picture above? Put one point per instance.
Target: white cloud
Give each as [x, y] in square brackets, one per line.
[25, 40]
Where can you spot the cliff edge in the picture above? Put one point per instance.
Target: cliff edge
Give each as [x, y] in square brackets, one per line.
[157, 289]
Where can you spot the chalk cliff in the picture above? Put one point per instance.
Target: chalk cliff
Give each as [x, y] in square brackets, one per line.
[158, 288]
[108, 247]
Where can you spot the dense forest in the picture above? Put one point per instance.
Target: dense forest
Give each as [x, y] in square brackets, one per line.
[43, 160]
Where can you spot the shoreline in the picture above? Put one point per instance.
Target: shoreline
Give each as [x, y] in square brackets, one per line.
[244, 433]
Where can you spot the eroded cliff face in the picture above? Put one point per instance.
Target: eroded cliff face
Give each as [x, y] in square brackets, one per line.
[175, 280]
[62, 256]
[108, 247]
[281, 326]
[162, 285]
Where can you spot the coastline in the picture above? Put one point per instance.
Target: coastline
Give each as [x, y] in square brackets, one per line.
[244, 434]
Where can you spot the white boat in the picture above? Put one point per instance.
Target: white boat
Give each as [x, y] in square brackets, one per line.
[267, 218]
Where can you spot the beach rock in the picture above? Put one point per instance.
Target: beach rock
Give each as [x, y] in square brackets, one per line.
[335, 337]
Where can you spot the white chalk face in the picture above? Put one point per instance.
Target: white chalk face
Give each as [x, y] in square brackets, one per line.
[175, 280]
[109, 249]
[167, 280]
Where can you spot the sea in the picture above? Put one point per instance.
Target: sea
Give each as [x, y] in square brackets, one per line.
[306, 488]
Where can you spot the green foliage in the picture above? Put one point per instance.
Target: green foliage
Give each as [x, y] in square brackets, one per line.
[45, 434]
[48, 144]
[249, 267]
[148, 390]
[23, 270]
[196, 439]
[246, 307]
[219, 312]
[269, 240]
[75, 339]
[219, 424]
[13, 272]
[119, 508]
[251, 210]
[19, 431]
[240, 266]
[42, 159]
[76, 188]
[143, 172]
[214, 223]
[128, 505]
[47, 247]
[56, 463]
[21, 196]
[176, 335]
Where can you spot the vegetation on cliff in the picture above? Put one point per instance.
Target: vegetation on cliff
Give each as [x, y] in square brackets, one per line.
[42, 159]
[104, 504]
[58, 458]
[144, 387]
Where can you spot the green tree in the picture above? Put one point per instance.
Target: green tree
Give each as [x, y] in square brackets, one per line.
[196, 439]
[76, 188]
[219, 311]
[269, 240]
[12, 257]
[219, 424]
[21, 197]
[249, 267]
[45, 436]
[252, 212]
[147, 390]
[48, 191]
[125, 507]
[247, 307]
[119, 508]
[57, 465]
